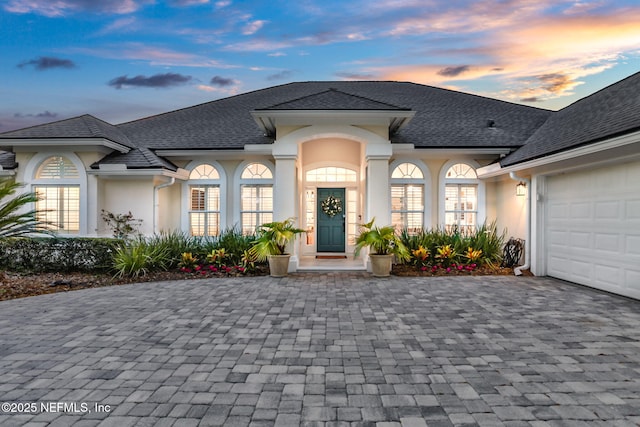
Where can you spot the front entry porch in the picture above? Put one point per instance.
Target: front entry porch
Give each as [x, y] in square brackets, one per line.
[349, 263]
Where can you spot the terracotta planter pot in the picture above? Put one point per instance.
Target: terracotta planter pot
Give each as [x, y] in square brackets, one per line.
[381, 265]
[278, 265]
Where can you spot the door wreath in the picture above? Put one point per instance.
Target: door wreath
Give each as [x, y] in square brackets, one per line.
[331, 206]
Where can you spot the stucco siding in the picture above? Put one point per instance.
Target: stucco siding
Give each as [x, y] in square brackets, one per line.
[130, 195]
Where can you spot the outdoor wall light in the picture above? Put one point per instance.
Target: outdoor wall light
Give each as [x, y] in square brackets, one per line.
[521, 189]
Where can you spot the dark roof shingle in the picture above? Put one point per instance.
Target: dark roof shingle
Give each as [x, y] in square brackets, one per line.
[85, 126]
[609, 112]
[443, 119]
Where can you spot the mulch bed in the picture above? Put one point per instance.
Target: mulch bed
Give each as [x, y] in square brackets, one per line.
[15, 285]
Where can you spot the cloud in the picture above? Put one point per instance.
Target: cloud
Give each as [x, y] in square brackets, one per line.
[282, 75]
[276, 54]
[157, 81]
[181, 3]
[221, 81]
[533, 54]
[45, 115]
[355, 76]
[59, 8]
[253, 27]
[152, 54]
[119, 25]
[454, 71]
[47, 63]
[223, 3]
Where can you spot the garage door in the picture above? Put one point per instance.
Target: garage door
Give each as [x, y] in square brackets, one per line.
[593, 228]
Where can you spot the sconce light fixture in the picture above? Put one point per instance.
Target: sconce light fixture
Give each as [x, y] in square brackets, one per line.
[521, 189]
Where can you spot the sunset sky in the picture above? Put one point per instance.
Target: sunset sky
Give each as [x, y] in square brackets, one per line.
[121, 60]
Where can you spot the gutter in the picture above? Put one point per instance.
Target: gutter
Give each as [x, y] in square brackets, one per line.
[527, 244]
[156, 203]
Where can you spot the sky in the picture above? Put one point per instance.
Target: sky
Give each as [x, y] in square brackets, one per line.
[121, 60]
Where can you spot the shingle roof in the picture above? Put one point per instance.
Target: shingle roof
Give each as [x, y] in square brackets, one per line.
[443, 119]
[85, 126]
[333, 99]
[8, 160]
[137, 158]
[609, 112]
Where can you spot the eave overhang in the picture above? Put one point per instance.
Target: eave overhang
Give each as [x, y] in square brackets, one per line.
[249, 149]
[269, 120]
[121, 171]
[77, 144]
[625, 147]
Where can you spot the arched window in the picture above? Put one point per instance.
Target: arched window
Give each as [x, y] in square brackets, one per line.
[461, 197]
[407, 197]
[256, 197]
[57, 184]
[204, 201]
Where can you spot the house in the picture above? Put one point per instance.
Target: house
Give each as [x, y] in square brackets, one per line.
[407, 154]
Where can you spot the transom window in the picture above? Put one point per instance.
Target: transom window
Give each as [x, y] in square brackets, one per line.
[331, 174]
[256, 197]
[204, 201]
[57, 186]
[461, 171]
[407, 171]
[461, 197]
[407, 197]
[57, 167]
[256, 171]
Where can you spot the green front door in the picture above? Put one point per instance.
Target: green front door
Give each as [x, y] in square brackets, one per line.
[331, 217]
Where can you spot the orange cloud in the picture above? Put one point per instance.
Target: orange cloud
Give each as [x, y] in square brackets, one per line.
[544, 59]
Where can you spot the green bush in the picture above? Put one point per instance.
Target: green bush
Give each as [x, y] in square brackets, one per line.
[448, 246]
[139, 257]
[47, 254]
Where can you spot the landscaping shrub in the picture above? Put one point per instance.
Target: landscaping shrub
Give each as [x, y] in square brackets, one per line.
[177, 249]
[56, 254]
[139, 257]
[454, 248]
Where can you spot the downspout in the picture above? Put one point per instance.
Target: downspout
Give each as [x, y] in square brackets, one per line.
[527, 244]
[156, 202]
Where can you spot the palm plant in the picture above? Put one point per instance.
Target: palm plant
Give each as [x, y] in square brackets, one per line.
[273, 237]
[381, 240]
[13, 220]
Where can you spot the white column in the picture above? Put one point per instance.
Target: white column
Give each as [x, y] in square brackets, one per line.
[285, 195]
[378, 197]
[92, 215]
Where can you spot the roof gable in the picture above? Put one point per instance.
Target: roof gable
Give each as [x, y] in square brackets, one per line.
[85, 127]
[333, 99]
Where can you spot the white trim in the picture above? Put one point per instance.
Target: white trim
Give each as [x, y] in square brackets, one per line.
[180, 174]
[496, 169]
[269, 120]
[425, 181]
[442, 182]
[221, 153]
[77, 144]
[222, 184]
[32, 181]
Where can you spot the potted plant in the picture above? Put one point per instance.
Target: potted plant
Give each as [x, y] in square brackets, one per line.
[383, 244]
[271, 244]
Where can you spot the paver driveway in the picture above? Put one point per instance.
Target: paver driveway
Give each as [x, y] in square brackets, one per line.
[310, 349]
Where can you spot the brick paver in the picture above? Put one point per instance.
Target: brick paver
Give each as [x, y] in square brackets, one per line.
[323, 349]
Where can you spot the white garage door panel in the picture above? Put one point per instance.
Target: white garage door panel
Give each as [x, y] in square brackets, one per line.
[593, 228]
